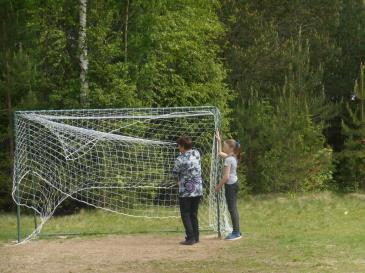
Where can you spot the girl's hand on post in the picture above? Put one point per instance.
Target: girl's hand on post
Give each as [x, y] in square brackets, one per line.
[218, 136]
[218, 189]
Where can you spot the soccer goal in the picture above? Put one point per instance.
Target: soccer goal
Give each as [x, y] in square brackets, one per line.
[118, 160]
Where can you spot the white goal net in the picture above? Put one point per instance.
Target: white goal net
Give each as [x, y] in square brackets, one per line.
[118, 160]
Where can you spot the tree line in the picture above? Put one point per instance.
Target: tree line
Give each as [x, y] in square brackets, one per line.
[287, 76]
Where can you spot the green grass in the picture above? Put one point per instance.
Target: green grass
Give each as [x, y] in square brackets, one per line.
[282, 233]
[87, 222]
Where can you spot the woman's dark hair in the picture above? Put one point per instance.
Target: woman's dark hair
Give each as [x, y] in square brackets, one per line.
[186, 142]
[236, 146]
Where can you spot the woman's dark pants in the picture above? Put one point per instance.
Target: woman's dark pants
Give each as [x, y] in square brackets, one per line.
[189, 215]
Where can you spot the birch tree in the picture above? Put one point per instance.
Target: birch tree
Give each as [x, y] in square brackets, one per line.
[84, 63]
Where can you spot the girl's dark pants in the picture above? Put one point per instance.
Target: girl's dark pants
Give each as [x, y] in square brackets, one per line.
[189, 214]
[231, 197]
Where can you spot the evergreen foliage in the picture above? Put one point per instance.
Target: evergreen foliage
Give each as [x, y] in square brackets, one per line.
[287, 97]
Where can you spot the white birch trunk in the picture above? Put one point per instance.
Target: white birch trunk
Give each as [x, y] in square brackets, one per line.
[84, 63]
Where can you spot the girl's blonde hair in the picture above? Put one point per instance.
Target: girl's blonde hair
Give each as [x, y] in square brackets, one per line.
[236, 146]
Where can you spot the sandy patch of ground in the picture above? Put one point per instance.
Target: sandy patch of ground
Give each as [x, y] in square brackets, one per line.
[135, 253]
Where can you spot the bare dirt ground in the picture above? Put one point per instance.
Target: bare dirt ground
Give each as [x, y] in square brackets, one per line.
[135, 253]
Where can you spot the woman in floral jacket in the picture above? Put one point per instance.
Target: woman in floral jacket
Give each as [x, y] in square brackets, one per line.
[187, 170]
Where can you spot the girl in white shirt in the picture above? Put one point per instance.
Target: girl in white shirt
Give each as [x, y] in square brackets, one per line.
[231, 152]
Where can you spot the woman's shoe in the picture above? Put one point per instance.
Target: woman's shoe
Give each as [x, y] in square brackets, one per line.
[188, 242]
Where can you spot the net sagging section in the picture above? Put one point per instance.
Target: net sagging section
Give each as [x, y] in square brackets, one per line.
[119, 160]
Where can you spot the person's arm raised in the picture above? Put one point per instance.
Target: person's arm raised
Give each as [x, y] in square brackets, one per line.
[219, 140]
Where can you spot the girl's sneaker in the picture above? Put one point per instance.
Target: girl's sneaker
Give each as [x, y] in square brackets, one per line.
[233, 236]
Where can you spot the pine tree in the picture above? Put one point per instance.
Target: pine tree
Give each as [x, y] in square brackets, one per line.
[352, 158]
[283, 136]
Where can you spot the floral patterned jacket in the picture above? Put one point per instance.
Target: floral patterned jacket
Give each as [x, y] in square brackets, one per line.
[187, 170]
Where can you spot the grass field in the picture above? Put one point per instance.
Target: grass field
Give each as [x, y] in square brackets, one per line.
[282, 233]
